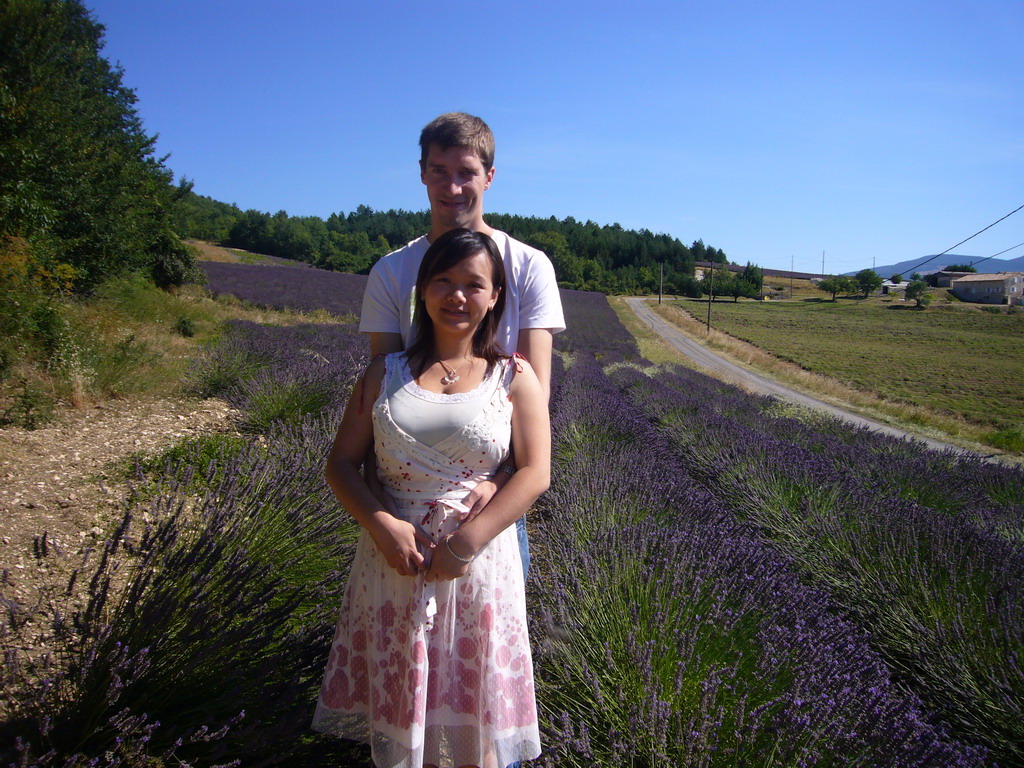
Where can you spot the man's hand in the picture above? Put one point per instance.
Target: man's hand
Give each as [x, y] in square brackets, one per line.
[398, 542]
[481, 495]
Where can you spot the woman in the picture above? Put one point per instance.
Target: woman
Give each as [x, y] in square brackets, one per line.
[431, 663]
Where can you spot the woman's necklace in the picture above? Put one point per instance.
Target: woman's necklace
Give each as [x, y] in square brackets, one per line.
[450, 374]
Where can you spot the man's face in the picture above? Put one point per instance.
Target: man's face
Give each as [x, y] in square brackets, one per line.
[456, 180]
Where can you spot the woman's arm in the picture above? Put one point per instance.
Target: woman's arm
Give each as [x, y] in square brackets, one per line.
[396, 539]
[531, 436]
[380, 344]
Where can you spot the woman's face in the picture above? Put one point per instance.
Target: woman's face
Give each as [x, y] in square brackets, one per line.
[458, 299]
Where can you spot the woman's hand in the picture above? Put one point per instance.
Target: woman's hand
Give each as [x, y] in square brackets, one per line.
[443, 564]
[398, 541]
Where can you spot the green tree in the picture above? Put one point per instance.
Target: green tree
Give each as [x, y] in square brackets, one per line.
[682, 284]
[747, 283]
[718, 283]
[203, 218]
[836, 284]
[78, 175]
[960, 268]
[568, 269]
[917, 290]
[896, 278]
[868, 281]
[741, 285]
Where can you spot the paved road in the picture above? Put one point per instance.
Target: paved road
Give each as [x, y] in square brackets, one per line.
[723, 369]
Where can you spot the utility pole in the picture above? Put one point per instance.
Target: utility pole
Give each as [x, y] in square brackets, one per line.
[822, 263]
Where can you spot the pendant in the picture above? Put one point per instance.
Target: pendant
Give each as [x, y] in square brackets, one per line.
[449, 378]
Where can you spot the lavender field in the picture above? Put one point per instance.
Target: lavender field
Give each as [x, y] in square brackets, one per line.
[717, 580]
[304, 290]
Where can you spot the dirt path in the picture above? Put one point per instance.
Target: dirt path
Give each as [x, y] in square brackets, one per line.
[724, 369]
[58, 479]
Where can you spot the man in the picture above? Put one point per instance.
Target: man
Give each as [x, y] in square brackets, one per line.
[457, 167]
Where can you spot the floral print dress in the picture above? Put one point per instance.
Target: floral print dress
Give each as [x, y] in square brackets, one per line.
[437, 673]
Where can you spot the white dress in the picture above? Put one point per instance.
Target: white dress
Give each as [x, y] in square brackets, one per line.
[437, 673]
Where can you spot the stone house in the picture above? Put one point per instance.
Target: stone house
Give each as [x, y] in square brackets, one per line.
[1000, 288]
[944, 279]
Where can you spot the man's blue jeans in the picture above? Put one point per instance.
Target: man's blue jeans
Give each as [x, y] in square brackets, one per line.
[524, 544]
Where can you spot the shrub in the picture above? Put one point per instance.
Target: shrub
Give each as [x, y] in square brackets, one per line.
[185, 327]
[30, 407]
[271, 396]
[275, 373]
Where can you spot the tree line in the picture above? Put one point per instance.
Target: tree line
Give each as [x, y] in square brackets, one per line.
[586, 255]
[83, 197]
[84, 202]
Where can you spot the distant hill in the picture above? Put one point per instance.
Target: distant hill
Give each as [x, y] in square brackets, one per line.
[988, 266]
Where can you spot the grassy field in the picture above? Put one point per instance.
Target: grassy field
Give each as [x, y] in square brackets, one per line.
[209, 252]
[965, 362]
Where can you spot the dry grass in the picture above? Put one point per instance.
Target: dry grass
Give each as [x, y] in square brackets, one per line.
[210, 252]
[915, 419]
[793, 289]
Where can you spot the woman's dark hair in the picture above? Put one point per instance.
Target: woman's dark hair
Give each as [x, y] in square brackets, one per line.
[444, 253]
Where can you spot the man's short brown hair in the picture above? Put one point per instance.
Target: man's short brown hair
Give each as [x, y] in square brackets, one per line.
[457, 129]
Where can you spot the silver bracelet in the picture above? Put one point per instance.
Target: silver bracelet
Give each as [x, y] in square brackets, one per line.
[508, 469]
[448, 543]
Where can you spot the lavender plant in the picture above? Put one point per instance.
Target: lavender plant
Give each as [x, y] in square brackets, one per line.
[670, 621]
[593, 328]
[669, 636]
[936, 586]
[214, 616]
[305, 290]
[273, 373]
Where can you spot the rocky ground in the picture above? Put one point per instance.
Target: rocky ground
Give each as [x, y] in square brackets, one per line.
[65, 480]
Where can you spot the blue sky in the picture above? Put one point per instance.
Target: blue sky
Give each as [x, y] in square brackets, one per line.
[775, 131]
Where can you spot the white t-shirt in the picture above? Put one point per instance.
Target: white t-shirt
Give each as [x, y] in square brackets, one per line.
[531, 292]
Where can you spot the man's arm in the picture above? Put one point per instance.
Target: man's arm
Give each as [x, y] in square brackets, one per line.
[386, 343]
[535, 345]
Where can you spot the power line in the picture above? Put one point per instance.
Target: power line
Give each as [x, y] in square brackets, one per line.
[1018, 245]
[930, 258]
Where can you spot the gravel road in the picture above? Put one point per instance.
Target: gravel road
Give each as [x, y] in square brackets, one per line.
[723, 369]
